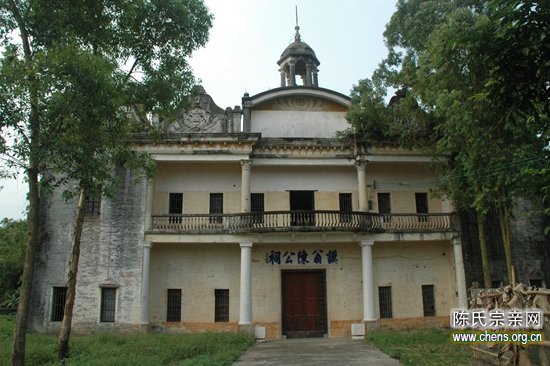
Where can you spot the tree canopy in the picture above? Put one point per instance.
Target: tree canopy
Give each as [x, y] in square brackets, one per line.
[71, 73]
[476, 80]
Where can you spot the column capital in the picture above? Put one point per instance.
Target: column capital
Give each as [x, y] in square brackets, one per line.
[366, 242]
[456, 240]
[246, 244]
[360, 164]
[146, 244]
[246, 164]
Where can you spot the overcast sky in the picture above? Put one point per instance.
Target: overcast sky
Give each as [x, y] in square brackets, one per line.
[247, 40]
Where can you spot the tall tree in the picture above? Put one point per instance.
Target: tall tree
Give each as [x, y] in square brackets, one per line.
[457, 61]
[65, 67]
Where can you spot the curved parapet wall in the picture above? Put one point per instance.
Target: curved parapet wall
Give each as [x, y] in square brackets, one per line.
[296, 112]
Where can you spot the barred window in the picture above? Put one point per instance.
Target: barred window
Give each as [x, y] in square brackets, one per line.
[428, 300]
[175, 207]
[108, 304]
[58, 303]
[384, 302]
[216, 207]
[257, 207]
[344, 200]
[421, 200]
[221, 312]
[384, 205]
[173, 311]
[93, 206]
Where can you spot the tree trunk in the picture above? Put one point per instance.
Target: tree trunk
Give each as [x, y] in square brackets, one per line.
[33, 240]
[20, 331]
[63, 343]
[484, 251]
[505, 232]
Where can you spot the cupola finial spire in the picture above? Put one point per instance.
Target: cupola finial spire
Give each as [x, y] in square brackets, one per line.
[297, 27]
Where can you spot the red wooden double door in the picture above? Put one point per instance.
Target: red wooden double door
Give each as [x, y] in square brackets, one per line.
[304, 303]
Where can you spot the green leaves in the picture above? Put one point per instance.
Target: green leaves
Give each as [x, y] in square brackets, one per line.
[88, 64]
[476, 75]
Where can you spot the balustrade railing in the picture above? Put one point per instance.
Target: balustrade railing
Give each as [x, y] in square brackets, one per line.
[271, 221]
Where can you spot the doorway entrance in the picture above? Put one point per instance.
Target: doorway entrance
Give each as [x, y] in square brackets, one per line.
[302, 205]
[304, 304]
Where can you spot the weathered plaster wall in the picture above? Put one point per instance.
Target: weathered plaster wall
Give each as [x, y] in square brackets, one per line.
[199, 269]
[298, 123]
[111, 256]
[408, 266]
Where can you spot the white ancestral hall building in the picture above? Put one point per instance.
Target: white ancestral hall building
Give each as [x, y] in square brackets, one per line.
[260, 219]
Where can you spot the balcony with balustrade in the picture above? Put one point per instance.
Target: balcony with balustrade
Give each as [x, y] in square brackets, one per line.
[303, 221]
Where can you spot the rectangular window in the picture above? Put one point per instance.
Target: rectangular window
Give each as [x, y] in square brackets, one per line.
[58, 303]
[108, 304]
[428, 300]
[344, 200]
[384, 302]
[93, 206]
[496, 283]
[175, 207]
[221, 312]
[173, 310]
[257, 207]
[384, 205]
[421, 200]
[216, 207]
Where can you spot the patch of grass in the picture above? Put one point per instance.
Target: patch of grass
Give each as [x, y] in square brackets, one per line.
[423, 347]
[200, 349]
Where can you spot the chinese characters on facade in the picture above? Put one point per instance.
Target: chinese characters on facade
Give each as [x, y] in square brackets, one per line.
[301, 257]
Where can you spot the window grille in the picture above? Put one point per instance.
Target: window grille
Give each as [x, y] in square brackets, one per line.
[345, 207]
[58, 303]
[173, 310]
[216, 207]
[93, 206]
[108, 304]
[221, 313]
[384, 302]
[257, 207]
[384, 205]
[428, 300]
[175, 207]
[421, 200]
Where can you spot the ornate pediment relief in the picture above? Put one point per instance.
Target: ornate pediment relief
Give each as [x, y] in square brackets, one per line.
[204, 116]
[301, 103]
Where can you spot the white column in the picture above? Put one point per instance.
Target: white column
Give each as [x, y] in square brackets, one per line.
[149, 205]
[369, 309]
[459, 273]
[361, 166]
[144, 317]
[245, 310]
[245, 185]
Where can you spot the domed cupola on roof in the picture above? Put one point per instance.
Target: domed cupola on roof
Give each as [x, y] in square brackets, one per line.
[298, 59]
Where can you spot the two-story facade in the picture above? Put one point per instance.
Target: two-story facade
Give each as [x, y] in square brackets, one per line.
[259, 218]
